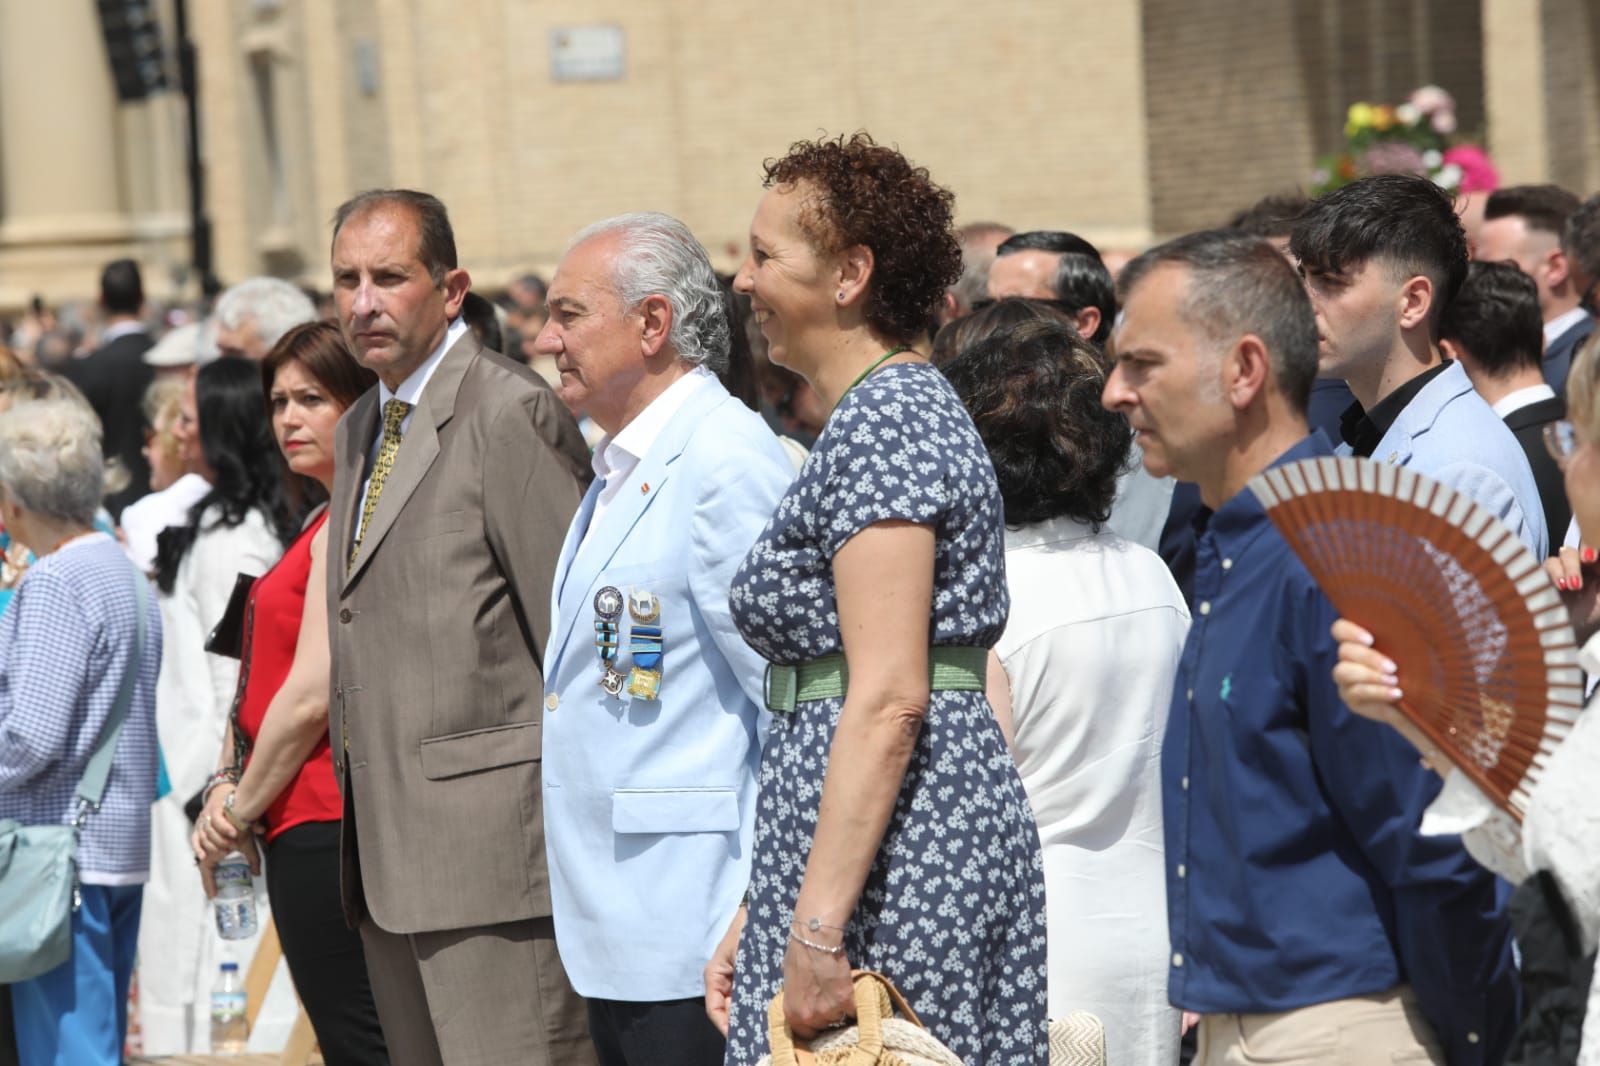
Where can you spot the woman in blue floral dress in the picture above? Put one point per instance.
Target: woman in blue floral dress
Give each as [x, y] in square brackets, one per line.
[892, 831]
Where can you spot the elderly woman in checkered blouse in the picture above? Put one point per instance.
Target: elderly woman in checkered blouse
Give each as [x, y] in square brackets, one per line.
[66, 641]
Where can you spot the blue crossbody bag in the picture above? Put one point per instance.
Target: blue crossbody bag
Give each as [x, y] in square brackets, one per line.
[39, 863]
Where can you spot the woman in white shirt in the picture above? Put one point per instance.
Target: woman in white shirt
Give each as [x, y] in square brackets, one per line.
[1560, 834]
[1082, 678]
[241, 525]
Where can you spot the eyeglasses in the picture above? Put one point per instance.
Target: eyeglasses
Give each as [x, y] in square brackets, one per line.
[1561, 441]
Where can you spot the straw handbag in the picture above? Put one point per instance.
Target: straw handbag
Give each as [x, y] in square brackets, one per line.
[877, 1038]
[1077, 1040]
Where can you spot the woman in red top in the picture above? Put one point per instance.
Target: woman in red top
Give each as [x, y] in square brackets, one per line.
[275, 775]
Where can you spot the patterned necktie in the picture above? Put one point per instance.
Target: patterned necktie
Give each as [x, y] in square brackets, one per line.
[394, 413]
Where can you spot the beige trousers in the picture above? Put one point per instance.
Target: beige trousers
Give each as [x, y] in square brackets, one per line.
[491, 996]
[1364, 1031]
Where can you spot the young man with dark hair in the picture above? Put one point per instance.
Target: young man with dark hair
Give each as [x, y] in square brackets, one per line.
[1310, 920]
[1382, 258]
[1523, 225]
[1493, 329]
[114, 376]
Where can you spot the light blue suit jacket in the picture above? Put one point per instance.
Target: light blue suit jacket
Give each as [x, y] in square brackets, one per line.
[1450, 434]
[649, 805]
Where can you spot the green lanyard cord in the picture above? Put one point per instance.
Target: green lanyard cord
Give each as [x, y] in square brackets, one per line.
[884, 358]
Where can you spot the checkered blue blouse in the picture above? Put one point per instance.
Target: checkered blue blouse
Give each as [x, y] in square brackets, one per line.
[65, 641]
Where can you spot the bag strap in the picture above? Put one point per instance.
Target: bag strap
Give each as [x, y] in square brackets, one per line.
[93, 784]
[869, 1022]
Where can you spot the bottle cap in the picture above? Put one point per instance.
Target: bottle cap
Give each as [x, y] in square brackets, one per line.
[230, 966]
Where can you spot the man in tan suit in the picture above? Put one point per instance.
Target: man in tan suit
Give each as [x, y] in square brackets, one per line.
[456, 479]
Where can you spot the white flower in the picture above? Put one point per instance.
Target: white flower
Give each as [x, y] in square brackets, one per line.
[1449, 176]
[1432, 158]
[1444, 123]
[1408, 113]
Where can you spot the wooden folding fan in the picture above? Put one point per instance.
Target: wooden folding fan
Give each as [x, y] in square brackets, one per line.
[1487, 655]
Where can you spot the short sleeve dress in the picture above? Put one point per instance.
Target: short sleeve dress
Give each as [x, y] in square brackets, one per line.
[953, 908]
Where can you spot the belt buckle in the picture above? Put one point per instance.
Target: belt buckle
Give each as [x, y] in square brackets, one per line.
[780, 688]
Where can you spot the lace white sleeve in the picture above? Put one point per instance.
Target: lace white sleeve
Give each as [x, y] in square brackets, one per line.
[1491, 835]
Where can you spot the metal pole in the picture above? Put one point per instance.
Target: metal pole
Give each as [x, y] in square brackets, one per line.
[199, 221]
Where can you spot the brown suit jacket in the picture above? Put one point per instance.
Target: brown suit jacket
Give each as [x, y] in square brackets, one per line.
[438, 632]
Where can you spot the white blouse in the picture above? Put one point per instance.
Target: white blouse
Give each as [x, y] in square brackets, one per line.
[1091, 648]
[1561, 833]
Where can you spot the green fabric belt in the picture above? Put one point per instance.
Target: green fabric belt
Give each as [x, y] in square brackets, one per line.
[950, 669]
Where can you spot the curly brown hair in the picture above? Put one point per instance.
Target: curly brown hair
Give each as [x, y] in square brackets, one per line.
[869, 194]
[1033, 390]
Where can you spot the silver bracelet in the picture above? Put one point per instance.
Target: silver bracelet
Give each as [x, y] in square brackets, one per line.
[814, 946]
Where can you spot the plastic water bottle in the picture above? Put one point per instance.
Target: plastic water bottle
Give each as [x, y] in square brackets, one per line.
[235, 902]
[230, 1030]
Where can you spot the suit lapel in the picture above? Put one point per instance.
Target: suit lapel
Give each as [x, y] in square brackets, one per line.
[418, 448]
[635, 498]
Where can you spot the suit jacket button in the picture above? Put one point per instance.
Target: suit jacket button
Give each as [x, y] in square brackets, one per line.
[345, 616]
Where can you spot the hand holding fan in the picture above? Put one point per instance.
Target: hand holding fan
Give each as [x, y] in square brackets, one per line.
[1454, 597]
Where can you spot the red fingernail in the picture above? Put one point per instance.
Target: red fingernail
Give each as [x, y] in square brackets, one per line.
[1590, 555]
[1561, 583]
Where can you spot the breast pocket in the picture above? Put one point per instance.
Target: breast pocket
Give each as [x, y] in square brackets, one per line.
[674, 810]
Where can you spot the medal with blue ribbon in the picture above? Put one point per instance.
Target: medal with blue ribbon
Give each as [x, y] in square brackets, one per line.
[607, 609]
[644, 645]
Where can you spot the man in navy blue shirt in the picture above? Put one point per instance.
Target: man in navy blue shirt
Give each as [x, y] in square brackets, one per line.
[1310, 921]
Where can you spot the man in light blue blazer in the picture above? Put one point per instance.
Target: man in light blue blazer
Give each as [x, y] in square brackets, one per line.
[1382, 257]
[653, 717]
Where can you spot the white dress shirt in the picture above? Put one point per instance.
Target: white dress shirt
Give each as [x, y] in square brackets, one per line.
[410, 391]
[1561, 323]
[1091, 649]
[616, 457]
[1516, 401]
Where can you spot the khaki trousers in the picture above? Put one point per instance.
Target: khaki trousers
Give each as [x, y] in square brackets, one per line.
[490, 996]
[1364, 1031]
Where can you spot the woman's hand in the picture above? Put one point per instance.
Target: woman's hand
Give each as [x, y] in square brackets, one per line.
[214, 836]
[719, 973]
[817, 990]
[208, 865]
[1369, 684]
[1576, 574]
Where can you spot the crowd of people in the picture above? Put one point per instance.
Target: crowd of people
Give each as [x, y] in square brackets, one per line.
[583, 671]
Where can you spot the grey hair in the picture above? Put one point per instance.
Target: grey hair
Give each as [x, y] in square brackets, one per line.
[276, 306]
[1240, 284]
[50, 460]
[660, 257]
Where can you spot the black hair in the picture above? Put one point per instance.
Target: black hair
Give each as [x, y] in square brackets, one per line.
[1002, 315]
[739, 375]
[1271, 216]
[1496, 318]
[484, 323]
[1081, 280]
[1580, 238]
[121, 287]
[1033, 391]
[1541, 207]
[1403, 220]
[236, 439]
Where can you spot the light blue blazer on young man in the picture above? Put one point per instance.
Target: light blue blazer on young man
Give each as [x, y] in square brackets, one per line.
[649, 804]
[1450, 434]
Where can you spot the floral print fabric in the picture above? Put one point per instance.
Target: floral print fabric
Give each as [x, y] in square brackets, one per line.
[953, 908]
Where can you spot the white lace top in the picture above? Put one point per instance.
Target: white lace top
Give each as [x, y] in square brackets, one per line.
[1561, 833]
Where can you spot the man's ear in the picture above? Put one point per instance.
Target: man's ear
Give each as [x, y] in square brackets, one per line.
[855, 271]
[656, 311]
[457, 283]
[1557, 268]
[1246, 371]
[1415, 301]
[1087, 319]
